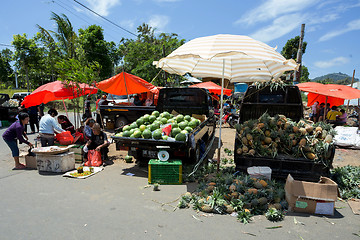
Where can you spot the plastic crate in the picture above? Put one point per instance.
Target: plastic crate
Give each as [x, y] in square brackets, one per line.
[165, 172]
[5, 123]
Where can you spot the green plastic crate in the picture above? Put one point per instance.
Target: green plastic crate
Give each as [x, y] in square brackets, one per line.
[5, 123]
[165, 172]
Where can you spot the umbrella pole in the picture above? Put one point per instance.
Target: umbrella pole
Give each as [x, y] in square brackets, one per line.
[126, 88]
[324, 119]
[221, 114]
[65, 109]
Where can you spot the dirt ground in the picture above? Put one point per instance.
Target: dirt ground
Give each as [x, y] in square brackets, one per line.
[342, 157]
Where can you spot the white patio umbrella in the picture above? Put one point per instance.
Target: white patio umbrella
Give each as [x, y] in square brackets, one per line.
[234, 57]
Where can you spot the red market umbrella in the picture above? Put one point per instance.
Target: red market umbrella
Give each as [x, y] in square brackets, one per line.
[334, 94]
[125, 84]
[57, 91]
[212, 87]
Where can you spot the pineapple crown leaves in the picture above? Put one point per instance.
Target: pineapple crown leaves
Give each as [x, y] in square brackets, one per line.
[274, 215]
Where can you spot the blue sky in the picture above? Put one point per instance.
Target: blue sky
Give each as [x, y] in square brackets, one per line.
[332, 26]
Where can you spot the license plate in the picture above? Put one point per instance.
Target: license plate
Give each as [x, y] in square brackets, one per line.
[150, 154]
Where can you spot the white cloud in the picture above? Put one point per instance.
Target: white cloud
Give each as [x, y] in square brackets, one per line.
[103, 7]
[351, 26]
[279, 27]
[128, 24]
[274, 8]
[159, 22]
[332, 62]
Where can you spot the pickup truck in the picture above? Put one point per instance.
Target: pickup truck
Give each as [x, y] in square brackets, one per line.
[6, 112]
[281, 101]
[186, 101]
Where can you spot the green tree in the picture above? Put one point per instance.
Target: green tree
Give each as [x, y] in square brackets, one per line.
[96, 49]
[290, 49]
[5, 67]
[26, 56]
[304, 74]
[138, 55]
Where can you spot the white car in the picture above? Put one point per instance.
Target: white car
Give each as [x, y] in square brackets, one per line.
[20, 95]
[122, 99]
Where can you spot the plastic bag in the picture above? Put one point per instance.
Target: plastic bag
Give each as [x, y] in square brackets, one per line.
[65, 138]
[94, 158]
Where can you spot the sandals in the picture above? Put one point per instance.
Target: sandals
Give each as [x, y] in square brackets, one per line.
[20, 167]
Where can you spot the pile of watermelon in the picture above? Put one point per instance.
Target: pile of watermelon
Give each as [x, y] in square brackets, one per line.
[160, 126]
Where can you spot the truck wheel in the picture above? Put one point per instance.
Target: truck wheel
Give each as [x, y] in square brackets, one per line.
[120, 122]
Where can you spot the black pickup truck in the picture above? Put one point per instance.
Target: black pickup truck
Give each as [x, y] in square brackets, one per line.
[186, 101]
[122, 115]
[282, 101]
[6, 112]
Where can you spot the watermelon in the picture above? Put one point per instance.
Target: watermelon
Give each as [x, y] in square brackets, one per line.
[146, 117]
[157, 134]
[179, 118]
[189, 129]
[174, 125]
[128, 159]
[133, 125]
[184, 131]
[137, 134]
[175, 131]
[126, 128]
[183, 125]
[119, 134]
[126, 134]
[180, 137]
[146, 134]
[165, 137]
[140, 121]
[152, 118]
[187, 118]
[164, 120]
[132, 136]
[132, 131]
[142, 128]
[155, 113]
[193, 124]
[170, 121]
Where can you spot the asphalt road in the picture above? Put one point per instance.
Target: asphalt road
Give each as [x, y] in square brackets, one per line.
[112, 205]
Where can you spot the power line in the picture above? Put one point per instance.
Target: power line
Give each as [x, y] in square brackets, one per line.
[105, 18]
[56, 1]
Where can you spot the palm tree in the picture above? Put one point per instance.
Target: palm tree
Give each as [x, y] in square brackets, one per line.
[65, 34]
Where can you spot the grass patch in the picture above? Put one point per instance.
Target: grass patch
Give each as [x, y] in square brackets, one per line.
[12, 91]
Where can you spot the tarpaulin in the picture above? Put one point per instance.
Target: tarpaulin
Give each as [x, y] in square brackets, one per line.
[212, 87]
[335, 93]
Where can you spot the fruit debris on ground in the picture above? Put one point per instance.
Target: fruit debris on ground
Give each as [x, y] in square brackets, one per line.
[226, 193]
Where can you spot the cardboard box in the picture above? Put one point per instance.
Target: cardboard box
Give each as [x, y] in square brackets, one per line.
[309, 197]
[55, 163]
[30, 162]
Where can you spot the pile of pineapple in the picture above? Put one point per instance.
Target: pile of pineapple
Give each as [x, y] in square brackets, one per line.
[242, 194]
[270, 136]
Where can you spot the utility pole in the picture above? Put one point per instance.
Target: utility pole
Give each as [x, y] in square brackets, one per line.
[299, 53]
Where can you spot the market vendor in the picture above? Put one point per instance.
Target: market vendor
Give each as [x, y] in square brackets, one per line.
[331, 115]
[15, 132]
[99, 142]
[48, 127]
[89, 123]
[66, 124]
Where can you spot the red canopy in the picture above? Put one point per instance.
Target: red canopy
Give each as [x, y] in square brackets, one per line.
[335, 93]
[57, 91]
[212, 87]
[126, 83]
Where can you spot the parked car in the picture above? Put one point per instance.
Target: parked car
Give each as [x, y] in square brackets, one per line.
[20, 95]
